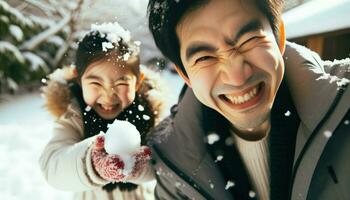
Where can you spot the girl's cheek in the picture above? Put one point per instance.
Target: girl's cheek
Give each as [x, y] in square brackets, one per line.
[90, 96]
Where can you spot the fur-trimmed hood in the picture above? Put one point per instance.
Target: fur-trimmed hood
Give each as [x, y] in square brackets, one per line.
[58, 94]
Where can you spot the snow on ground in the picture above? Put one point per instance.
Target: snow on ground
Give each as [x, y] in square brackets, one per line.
[24, 130]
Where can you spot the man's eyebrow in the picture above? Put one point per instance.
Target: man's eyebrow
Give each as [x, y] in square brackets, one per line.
[251, 26]
[198, 47]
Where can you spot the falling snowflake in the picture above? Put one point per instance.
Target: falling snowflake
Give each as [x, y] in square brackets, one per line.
[141, 108]
[177, 184]
[211, 186]
[346, 122]
[328, 134]
[43, 80]
[130, 112]
[229, 184]
[212, 138]
[146, 117]
[219, 158]
[252, 194]
[87, 108]
[287, 114]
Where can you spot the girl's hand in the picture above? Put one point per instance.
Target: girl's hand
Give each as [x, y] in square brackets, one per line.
[110, 167]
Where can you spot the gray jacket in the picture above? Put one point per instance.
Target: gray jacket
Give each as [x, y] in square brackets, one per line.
[321, 169]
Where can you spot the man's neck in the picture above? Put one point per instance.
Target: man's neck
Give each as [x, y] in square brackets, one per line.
[254, 134]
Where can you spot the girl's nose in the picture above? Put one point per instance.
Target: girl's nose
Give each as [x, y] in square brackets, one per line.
[110, 96]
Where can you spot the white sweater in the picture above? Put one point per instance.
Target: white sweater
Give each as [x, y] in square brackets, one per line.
[255, 156]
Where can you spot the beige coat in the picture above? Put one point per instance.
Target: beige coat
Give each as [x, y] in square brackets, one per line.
[66, 160]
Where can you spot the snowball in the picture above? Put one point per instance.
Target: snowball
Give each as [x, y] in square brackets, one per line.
[212, 138]
[122, 138]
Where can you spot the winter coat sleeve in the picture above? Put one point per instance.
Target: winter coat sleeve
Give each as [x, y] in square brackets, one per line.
[66, 160]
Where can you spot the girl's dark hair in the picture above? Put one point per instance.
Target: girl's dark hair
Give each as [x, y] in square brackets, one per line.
[164, 15]
[90, 50]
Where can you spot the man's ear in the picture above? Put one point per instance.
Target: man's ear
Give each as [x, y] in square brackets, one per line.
[183, 76]
[139, 82]
[282, 34]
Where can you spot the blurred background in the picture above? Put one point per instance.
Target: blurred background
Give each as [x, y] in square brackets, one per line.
[38, 36]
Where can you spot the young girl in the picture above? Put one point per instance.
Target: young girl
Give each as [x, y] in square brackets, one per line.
[105, 85]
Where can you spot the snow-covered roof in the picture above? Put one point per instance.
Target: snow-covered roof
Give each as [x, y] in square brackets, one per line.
[317, 16]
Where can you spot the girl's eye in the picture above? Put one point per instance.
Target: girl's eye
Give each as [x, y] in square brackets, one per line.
[95, 83]
[122, 84]
[203, 59]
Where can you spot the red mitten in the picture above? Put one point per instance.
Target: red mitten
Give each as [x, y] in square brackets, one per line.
[110, 167]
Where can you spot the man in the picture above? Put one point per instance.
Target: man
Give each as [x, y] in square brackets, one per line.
[264, 126]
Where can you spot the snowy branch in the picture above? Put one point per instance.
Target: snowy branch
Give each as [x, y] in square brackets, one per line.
[35, 41]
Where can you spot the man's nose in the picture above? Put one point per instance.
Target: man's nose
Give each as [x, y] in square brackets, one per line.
[235, 70]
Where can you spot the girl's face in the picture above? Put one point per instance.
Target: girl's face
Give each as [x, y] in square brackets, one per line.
[108, 87]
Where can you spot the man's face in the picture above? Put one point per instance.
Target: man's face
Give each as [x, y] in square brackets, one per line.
[232, 59]
[108, 88]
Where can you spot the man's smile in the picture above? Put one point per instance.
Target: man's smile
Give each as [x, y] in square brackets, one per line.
[244, 99]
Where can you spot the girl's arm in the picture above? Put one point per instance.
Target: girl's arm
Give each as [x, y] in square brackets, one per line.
[66, 161]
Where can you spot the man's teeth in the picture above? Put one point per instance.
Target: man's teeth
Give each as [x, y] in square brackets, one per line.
[244, 98]
[107, 108]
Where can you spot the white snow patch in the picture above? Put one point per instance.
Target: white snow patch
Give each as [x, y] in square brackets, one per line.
[58, 41]
[106, 46]
[16, 32]
[58, 75]
[8, 47]
[126, 56]
[20, 18]
[129, 162]
[12, 84]
[212, 138]
[339, 81]
[113, 31]
[22, 141]
[36, 61]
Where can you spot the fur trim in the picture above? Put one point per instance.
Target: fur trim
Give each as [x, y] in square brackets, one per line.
[58, 95]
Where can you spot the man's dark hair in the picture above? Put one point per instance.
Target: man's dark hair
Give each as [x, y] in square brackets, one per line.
[164, 16]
